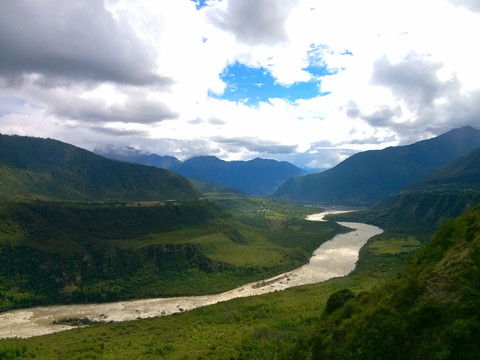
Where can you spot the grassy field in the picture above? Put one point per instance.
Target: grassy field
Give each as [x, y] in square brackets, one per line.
[262, 327]
[100, 251]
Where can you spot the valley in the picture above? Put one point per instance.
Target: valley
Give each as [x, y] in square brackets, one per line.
[148, 243]
[239, 180]
[334, 258]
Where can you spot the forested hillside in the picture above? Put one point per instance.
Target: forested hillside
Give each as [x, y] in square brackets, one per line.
[446, 193]
[431, 311]
[34, 168]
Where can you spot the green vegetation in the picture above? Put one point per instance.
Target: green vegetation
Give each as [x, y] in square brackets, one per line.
[370, 176]
[396, 246]
[422, 207]
[212, 191]
[262, 327]
[141, 244]
[430, 311]
[33, 168]
[91, 252]
[76, 227]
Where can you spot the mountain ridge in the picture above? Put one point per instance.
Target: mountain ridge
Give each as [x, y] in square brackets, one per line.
[255, 177]
[36, 168]
[447, 192]
[369, 176]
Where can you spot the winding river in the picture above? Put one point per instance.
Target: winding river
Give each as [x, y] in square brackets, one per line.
[334, 258]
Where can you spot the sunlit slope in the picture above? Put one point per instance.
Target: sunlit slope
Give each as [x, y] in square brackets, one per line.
[49, 169]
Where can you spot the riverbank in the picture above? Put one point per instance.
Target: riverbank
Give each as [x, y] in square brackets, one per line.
[334, 258]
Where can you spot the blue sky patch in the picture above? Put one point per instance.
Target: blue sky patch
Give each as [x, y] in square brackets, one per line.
[252, 85]
[200, 3]
[11, 104]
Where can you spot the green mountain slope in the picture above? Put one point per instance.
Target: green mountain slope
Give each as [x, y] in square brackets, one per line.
[446, 193]
[91, 252]
[369, 176]
[50, 169]
[212, 191]
[431, 311]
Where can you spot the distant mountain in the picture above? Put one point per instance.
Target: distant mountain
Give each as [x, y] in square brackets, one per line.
[132, 155]
[369, 176]
[49, 169]
[255, 177]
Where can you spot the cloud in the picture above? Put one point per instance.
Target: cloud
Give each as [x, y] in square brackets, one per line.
[384, 116]
[473, 5]
[254, 22]
[253, 145]
[215, 121]
[460, 110]
[147, 73]
[414, 80]
[320, 145]
[117, 132]
[133, 110]
[66, 41]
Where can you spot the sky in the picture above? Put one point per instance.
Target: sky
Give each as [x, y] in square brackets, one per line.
[306, 81]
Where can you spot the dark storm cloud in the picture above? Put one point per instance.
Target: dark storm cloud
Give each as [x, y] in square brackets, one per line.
[254, 21]
[413, 80]
[254, 145]
[75, 40]
[132, 111]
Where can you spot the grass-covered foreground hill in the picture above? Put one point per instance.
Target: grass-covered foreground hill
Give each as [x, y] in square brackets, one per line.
[34, 168]
[431, 311]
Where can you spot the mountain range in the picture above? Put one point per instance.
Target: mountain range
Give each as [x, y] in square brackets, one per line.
[256, 177]
[370, 176]
[34, 168]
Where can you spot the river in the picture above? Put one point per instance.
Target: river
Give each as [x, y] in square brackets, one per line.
[334, 258]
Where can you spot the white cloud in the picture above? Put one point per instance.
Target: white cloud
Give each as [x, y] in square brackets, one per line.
[139, 72]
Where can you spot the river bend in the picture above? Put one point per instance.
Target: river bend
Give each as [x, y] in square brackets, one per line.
[334, 258]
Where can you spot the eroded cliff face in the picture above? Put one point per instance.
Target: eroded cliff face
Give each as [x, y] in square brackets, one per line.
[33, 277]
